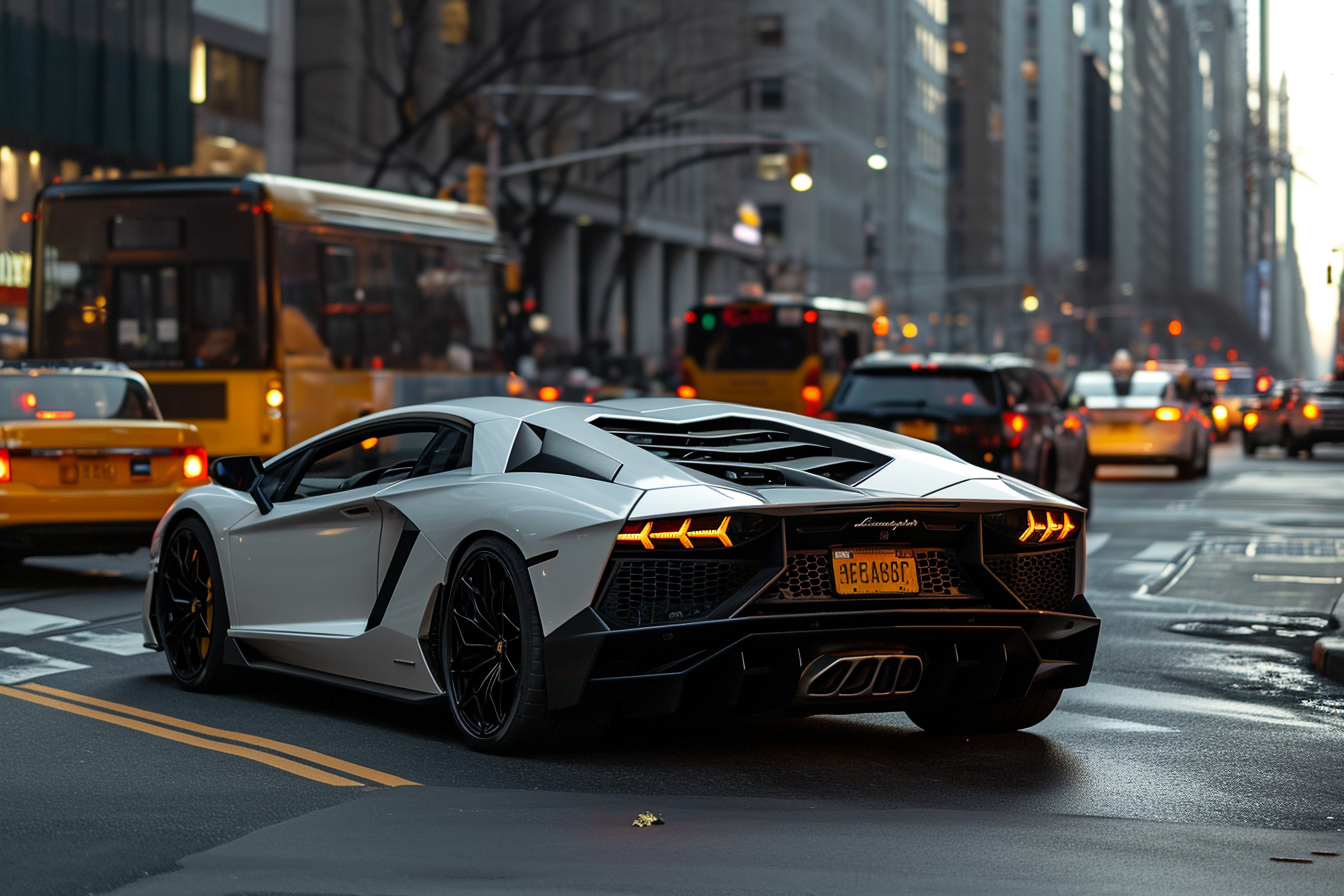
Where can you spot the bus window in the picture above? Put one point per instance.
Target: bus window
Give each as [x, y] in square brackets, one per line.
[218, 334]
[148, 321]
[75, 310]
[341, 305]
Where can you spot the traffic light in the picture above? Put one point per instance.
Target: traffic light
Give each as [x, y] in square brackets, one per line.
[1175, 328]
[800, 171]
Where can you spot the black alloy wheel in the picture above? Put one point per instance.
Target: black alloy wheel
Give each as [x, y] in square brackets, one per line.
[189, 607]
[484, 645]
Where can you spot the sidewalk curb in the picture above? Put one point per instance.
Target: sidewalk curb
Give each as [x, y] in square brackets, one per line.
[1327, 654]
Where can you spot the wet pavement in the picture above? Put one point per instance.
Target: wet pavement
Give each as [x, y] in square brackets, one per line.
[1205, 748]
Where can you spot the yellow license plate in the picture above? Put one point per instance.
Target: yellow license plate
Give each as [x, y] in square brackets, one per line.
[874, 571]
[73, 474]
[918, 429]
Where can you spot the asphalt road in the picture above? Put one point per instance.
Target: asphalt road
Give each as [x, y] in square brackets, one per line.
[1204, 748]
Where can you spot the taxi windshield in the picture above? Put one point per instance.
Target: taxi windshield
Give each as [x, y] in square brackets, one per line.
[73, 396]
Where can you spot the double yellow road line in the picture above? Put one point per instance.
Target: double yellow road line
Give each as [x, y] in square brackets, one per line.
[314, 765]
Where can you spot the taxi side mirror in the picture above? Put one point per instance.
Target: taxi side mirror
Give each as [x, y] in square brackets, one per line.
[1075, 400]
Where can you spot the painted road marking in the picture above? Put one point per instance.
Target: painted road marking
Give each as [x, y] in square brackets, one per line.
[288, 765]
[14, 621]
[33, 665]
[119, 641]
[1299, 580]
[312, 756]
[1165, 551]
[1097, 542]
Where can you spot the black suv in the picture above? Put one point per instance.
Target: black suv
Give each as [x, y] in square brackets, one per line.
[997, 411]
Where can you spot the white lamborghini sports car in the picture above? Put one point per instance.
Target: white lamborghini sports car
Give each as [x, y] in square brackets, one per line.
[544, 568]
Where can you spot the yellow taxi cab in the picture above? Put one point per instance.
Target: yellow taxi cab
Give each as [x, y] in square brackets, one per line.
[1144, 417]
[1232, 388]
[87, 462]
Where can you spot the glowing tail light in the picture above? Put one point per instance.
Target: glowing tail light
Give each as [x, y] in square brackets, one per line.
[1219, 413]
[812, 392]
[4, 465]
[1014, 424]
[1171, 415]
[647, 533]
[1072, 422]
[548, 393]
[275, 397]
[194, 463]
[55, 415]
[516, 385]
[828, 415]
[1250, 420]
[685, 390]
[1311, 411]
[1048, 527]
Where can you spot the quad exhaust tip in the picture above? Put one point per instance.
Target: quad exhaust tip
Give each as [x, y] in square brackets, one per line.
[860, 675]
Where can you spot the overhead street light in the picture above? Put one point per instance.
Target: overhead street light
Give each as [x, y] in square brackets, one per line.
[877, 161]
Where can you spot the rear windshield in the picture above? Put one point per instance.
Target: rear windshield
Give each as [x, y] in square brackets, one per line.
[749, 337]
[72, 396]
[1143, 384]
[906, 387]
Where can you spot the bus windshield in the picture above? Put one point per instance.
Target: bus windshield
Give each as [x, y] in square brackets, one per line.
[749, 337]
[121, 286]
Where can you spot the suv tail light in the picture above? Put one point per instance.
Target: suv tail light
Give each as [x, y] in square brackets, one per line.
[1014, 424]
[4, 465]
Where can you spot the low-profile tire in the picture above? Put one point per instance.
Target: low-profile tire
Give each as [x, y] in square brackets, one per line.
[190, 609]
[1202, 466]
[492, 655]
[1248, 445]
[987, 718]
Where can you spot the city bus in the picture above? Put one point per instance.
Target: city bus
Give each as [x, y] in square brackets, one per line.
[782, 352]
[267, 309]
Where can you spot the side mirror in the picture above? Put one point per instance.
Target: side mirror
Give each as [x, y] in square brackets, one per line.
[1075, 400]
[241, 473]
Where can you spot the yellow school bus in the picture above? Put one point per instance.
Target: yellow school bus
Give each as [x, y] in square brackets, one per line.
[266, 309]
[781, 352]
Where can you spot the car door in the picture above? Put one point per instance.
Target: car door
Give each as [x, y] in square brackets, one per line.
[311, 564]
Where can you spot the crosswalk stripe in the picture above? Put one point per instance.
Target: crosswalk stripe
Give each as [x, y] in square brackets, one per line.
[1097, 542]
[14, 621]
[33, 665]
[118, 642]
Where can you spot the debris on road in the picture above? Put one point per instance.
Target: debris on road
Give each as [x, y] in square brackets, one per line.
[646, 820]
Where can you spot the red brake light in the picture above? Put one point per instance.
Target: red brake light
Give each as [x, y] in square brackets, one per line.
[4, 465]
[810, 316]
[548, 393]
[194, 463]
[1013, 426]
[1311, 411]
[828, 415]
[1072, 422]
[1250, 420]
[1263, 384]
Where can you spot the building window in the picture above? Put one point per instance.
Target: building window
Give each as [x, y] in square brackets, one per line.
[770, 31]
[771, 94]
[234, 84]
[454, 22]
[772, 222]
